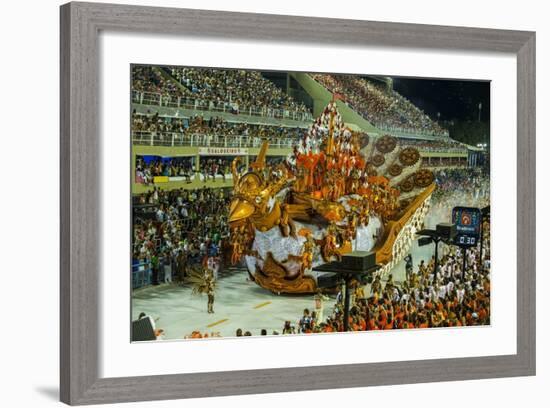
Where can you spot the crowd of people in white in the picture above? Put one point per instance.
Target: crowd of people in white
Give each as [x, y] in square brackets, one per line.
[469, 186]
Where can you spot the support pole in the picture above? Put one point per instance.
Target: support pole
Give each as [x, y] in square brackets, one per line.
[464, 249]
[436, 241]
[347, 279]
[481, 246]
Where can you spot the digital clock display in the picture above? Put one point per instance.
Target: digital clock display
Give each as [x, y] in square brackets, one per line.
[468, 225]
[465, 240]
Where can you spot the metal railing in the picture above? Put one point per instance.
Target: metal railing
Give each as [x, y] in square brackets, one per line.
[412, 132]
[429, 149]
[172, 100]
[141, 274]
[145, 138]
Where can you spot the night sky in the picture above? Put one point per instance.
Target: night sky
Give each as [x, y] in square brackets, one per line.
[454, 100]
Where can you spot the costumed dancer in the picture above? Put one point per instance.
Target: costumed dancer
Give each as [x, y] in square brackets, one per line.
[203, 282]
[210, 293]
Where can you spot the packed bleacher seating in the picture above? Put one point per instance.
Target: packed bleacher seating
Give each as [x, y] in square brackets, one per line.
[447, 145]
[241, 90]
[149, 79]
[221, 90]
[444, 162]
[386, 109]
[214, 131]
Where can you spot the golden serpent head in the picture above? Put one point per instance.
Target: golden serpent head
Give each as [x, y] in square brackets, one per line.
[249, 197]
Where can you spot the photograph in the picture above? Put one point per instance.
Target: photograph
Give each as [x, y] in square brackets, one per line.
[266, 204]
[270, 203]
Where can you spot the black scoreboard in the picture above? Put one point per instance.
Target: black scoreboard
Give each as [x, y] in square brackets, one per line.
[467, 221]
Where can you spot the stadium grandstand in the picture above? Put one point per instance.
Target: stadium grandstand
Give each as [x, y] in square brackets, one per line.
[207, 117]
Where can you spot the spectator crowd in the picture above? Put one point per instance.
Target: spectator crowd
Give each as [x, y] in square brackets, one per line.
[158, 166]
[210, 167]
[214, 131]
[178, 229]
[423, 300]
[448, 298]
[385, 108]
[228, 90]
[149, 79]
[435, 145]
[467, 186]
[237, 90]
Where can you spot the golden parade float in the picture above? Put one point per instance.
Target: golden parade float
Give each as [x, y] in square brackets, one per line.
[337, 192]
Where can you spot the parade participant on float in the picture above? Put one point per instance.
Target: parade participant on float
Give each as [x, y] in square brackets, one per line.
[307, 251]
[329, 248]
[352, 225]
[238, 246]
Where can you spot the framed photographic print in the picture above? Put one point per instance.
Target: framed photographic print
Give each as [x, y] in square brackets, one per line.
[261, 203]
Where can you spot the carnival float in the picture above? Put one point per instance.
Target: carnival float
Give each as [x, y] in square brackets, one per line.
[338, 191]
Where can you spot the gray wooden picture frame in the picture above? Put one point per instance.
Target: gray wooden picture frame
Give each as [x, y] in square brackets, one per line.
[80, 233]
